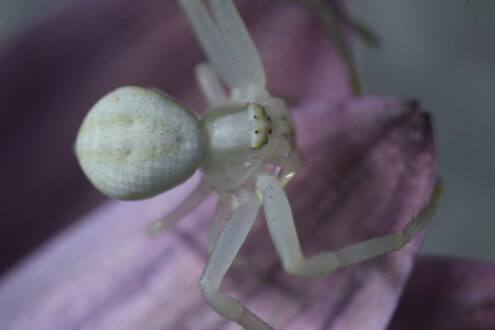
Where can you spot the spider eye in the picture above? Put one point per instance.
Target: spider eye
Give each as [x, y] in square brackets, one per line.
[135, 143]
[262, 125]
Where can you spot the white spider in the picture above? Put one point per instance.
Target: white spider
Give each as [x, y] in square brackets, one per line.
[135, 143]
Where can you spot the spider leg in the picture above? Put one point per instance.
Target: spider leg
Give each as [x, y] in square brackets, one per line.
[198, 195]
[238, 42]
[222, 213]
[211, 41]
[209, 84]
[226, 248]
[283, 231]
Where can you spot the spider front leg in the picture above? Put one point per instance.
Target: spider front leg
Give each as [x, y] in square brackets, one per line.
[226, 248]
[223, 211]
[283, 232]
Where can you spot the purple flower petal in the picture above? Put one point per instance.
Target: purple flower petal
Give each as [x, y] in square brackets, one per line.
[447, 293]
[369, 167]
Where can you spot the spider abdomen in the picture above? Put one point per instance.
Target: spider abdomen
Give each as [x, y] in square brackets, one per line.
[136, 143]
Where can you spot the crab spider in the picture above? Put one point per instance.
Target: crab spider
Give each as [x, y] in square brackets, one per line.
[135, 143]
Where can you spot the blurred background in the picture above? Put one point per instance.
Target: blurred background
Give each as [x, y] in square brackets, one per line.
[17, 15]
[441, 53]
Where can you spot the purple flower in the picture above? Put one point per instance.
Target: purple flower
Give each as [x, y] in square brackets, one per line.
[369, 167]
